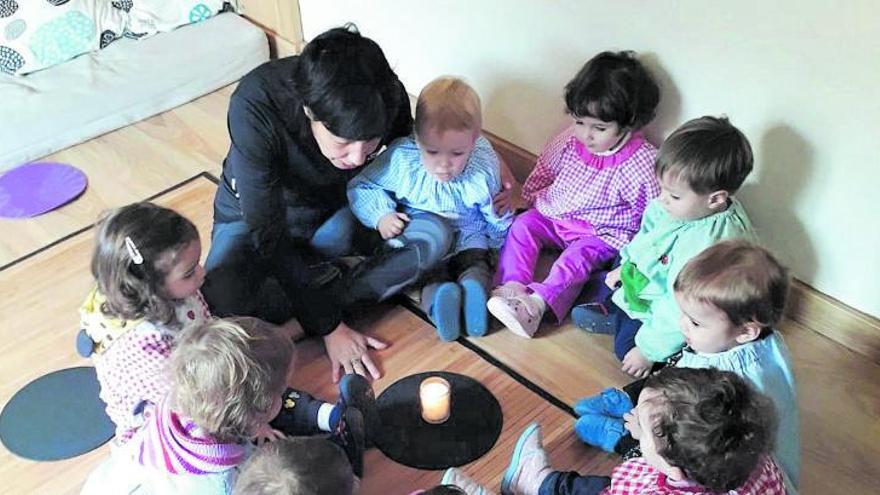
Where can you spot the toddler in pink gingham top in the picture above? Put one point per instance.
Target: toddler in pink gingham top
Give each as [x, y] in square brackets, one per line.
[586, 195]
[146, 264]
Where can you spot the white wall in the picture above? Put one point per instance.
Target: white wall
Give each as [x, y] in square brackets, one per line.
[799, 77]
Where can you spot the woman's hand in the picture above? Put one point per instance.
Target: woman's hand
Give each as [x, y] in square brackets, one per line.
[636, 364]
[392, 224]
[349, 349]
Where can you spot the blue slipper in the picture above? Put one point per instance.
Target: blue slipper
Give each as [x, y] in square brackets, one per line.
[600, 431]
[446, 311]
[594, 318]
[476, 318]
[610, 402]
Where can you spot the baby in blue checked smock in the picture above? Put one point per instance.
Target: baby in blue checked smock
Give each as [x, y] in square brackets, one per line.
[449, 169]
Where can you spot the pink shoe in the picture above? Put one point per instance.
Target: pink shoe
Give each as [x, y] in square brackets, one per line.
[510, 289]
[520, 314]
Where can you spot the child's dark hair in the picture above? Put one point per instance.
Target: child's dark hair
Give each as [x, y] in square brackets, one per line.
[740, 278]
[709, 153]
[135, 247]
[296, 466]
[712, 425]
[345, 80]
[613, 87]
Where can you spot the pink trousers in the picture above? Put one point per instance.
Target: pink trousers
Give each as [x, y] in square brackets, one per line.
[582, 252]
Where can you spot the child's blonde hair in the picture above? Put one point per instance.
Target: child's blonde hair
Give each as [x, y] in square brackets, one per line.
[227, 373]
[135, 247]
[448, 103]
[296, 465]
[708, 153]
[741, 279]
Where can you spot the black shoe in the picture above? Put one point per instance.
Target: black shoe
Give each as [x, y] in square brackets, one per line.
[349, 435]
[355, 391]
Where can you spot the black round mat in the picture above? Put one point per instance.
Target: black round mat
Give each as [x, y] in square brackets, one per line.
[472, 429]
[57, 416]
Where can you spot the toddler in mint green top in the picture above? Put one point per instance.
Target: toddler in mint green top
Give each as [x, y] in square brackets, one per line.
[655, 255]
[699, 167]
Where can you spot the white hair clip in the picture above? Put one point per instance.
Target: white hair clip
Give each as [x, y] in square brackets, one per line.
[133, 252]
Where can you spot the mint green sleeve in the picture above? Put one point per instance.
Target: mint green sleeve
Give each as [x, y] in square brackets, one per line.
[660, 336]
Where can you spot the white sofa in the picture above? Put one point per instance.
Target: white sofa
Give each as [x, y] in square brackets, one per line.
[125, 82]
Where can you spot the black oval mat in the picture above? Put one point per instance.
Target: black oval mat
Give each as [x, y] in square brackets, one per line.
[472, 429]
[57, 416]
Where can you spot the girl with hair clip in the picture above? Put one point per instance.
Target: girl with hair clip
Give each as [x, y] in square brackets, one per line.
[146, 265]
[586, 194]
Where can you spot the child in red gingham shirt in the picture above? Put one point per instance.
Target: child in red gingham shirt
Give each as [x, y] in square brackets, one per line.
[701, 432]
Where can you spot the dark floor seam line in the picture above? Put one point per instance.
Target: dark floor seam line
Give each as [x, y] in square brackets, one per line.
[410, 305]
[75, 233]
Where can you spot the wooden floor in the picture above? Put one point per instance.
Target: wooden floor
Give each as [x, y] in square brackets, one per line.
[45, 275]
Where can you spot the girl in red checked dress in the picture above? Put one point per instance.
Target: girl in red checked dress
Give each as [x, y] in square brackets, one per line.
[701, 432]
[586, 194]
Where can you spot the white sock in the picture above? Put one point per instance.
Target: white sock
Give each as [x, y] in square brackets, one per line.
[324, 416]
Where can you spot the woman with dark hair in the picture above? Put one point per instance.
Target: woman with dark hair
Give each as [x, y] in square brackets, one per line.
[300, 128]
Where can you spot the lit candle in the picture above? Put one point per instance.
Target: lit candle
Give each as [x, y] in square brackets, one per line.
[434, 395]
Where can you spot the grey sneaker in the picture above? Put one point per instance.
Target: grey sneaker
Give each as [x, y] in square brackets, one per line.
[529, 466]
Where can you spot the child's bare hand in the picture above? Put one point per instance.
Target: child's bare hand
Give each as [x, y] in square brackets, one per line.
[631, 422]
[612, 280]
[392, 224]
[266, 433]
[508, 199]
[636, 364]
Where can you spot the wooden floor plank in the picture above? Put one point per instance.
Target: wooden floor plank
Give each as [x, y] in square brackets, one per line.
[127, 165]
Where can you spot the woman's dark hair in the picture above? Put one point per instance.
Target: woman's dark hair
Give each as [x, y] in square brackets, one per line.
[135, 247]
[345, 80]
[613, 87]
[711, 424]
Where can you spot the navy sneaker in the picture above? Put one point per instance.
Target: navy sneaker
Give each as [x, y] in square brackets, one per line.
[355, 391]
[594, 318]
[349, 434]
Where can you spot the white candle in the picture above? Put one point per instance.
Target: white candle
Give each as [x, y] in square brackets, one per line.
[434, 393]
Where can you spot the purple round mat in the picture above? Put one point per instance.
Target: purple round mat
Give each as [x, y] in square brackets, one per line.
[33, 189]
